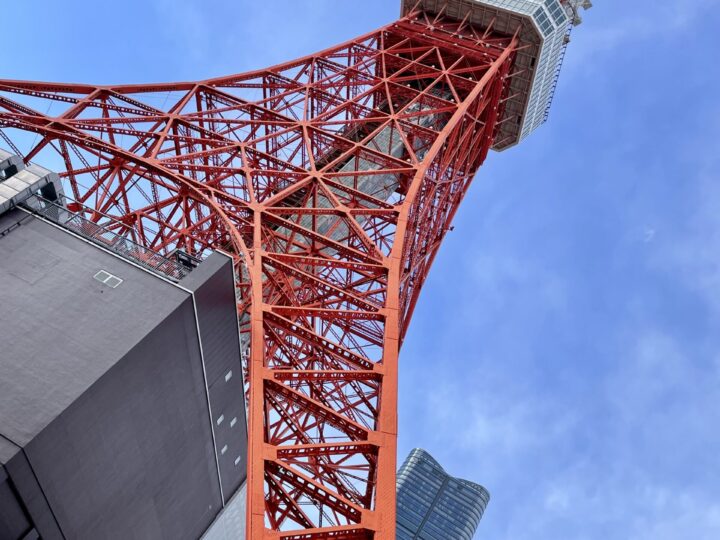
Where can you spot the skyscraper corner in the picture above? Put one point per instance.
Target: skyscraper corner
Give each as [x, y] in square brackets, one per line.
[432, 505]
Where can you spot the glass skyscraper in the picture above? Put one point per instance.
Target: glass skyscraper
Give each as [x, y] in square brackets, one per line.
[432, 505]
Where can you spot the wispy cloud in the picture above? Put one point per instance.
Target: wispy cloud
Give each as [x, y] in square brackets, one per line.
[626, 27]
[657, 19]
[693, 250]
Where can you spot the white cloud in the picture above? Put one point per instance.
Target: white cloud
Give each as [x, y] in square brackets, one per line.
[606, 467]
[496, 273]
[678, 515]
[623, 27]
[658, 18]
[691, 251]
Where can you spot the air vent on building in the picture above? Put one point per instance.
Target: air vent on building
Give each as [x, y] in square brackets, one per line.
[188, 261]
[106, 278]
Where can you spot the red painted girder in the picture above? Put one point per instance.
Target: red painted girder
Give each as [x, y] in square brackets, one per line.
[329, 270]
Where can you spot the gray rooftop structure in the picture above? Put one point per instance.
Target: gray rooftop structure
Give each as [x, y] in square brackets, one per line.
[18, 181]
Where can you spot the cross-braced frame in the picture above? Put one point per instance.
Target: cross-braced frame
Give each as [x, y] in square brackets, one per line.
[331, 180]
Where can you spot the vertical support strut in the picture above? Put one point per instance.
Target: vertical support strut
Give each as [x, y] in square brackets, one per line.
[332, 179]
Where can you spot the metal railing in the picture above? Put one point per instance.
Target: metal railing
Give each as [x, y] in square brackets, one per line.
[556, 75]
[106, 238]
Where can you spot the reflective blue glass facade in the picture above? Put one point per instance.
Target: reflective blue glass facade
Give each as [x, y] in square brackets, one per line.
[432, 505]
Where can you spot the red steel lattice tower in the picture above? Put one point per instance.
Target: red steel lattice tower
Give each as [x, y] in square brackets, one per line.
[332, 180]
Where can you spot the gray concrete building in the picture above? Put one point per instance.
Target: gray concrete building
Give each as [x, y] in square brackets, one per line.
[121, 395]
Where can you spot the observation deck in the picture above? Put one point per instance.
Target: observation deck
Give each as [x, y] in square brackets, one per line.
[543, 28]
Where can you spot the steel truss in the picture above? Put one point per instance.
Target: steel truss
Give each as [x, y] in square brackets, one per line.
[332, 180]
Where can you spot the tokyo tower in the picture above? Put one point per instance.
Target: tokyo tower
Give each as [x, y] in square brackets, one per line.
[331, 180]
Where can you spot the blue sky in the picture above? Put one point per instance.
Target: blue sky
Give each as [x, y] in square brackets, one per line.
[565, 352]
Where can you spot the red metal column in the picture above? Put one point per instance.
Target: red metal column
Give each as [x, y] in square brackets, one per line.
[332, 179]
